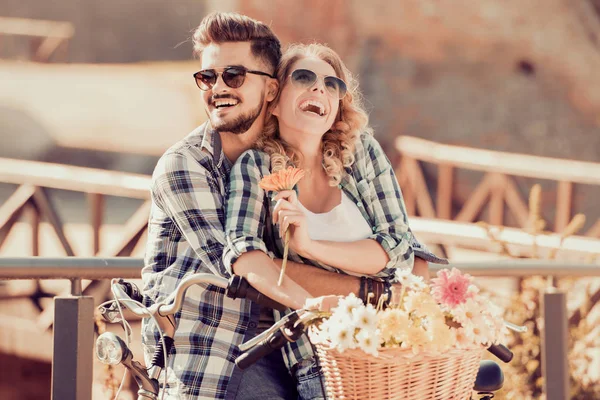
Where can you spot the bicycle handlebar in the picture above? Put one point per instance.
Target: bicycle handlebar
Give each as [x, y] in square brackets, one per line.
[502, 352]
[295, 322]
[290, 331]
[264, 348]
[132, 291]
[236, 287]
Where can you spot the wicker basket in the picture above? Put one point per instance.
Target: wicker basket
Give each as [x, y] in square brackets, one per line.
[398, 374]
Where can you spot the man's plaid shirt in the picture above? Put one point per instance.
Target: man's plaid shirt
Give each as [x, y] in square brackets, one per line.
[186, 236]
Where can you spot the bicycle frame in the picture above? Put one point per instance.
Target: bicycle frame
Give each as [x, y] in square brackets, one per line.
[110, 349]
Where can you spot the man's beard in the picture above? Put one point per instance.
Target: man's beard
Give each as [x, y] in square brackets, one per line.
[242, 123]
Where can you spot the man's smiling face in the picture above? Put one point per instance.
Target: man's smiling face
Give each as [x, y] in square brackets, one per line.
[229, 109]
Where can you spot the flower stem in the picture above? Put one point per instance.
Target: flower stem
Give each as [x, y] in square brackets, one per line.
[285, 256]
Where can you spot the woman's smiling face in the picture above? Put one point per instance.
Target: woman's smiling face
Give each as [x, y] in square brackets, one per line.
[307, 110]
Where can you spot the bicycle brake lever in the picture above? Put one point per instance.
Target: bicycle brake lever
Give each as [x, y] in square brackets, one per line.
[516, 328]
[293, 317]
[110, 314]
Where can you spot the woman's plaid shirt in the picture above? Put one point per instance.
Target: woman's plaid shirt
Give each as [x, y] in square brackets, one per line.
[370, 183]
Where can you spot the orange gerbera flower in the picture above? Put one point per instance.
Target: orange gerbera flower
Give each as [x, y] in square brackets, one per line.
[285, 179]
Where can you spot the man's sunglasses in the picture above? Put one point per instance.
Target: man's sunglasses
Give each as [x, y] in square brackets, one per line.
[305, 78]
[233, 77]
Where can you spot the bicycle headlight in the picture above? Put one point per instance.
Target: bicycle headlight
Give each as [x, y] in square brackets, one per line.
[110, 349]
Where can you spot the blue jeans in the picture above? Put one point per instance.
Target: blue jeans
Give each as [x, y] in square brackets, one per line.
[270, 379]
[310, 381]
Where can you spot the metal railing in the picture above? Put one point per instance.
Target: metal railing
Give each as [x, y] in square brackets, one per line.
[73, 320]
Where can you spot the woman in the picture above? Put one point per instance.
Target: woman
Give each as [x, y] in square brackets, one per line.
[350, 195]
[348, 214]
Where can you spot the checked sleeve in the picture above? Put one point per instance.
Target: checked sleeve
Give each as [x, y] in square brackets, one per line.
[392, 229]
[246, 209]
[185, 190]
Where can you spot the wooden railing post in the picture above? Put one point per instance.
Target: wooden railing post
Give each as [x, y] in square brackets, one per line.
[96, 202]
[33, 216]
[444, 191]
[564, 196]
[497, 199]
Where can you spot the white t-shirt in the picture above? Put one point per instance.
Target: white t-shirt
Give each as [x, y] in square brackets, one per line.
[344, 223]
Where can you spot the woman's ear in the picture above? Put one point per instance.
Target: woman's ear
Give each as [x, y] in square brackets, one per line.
[272, 89]
[275, 109]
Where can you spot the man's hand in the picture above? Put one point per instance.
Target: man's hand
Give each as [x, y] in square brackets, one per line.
[421, 268]
[323, 303]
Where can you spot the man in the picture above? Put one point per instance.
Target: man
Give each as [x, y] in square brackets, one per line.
[238, 58]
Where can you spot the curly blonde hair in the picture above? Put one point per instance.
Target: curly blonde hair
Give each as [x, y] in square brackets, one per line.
[338, 144]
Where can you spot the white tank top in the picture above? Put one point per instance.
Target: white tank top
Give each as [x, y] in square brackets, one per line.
[344, 223]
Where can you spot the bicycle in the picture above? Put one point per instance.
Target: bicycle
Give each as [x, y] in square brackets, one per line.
[112, 350]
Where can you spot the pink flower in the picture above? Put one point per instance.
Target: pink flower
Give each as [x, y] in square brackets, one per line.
[451, 288]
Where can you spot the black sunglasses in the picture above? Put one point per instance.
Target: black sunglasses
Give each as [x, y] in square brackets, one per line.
[233, 77]
[305, 78]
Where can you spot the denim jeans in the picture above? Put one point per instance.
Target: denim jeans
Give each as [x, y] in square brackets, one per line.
[309, 380]
[270, 379]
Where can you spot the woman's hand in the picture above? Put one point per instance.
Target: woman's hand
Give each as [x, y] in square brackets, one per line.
[289, 216]
[323, 303]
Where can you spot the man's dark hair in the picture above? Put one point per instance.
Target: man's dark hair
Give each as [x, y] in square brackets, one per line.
[219, 27]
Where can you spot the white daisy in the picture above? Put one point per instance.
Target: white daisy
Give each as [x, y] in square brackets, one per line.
[466, 312]
[342, 337]
[348, 303]
[368, 341]
[365, 317]
[406, 278]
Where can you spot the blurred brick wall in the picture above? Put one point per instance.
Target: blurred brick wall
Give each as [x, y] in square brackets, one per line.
[119, 30]
[517, 76]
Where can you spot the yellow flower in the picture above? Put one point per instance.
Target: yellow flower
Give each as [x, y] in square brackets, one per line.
[391, 324]
[422, 304]
[416, 338]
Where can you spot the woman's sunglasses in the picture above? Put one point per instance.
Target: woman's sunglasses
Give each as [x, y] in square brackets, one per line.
[305, 78]
[233, 77]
